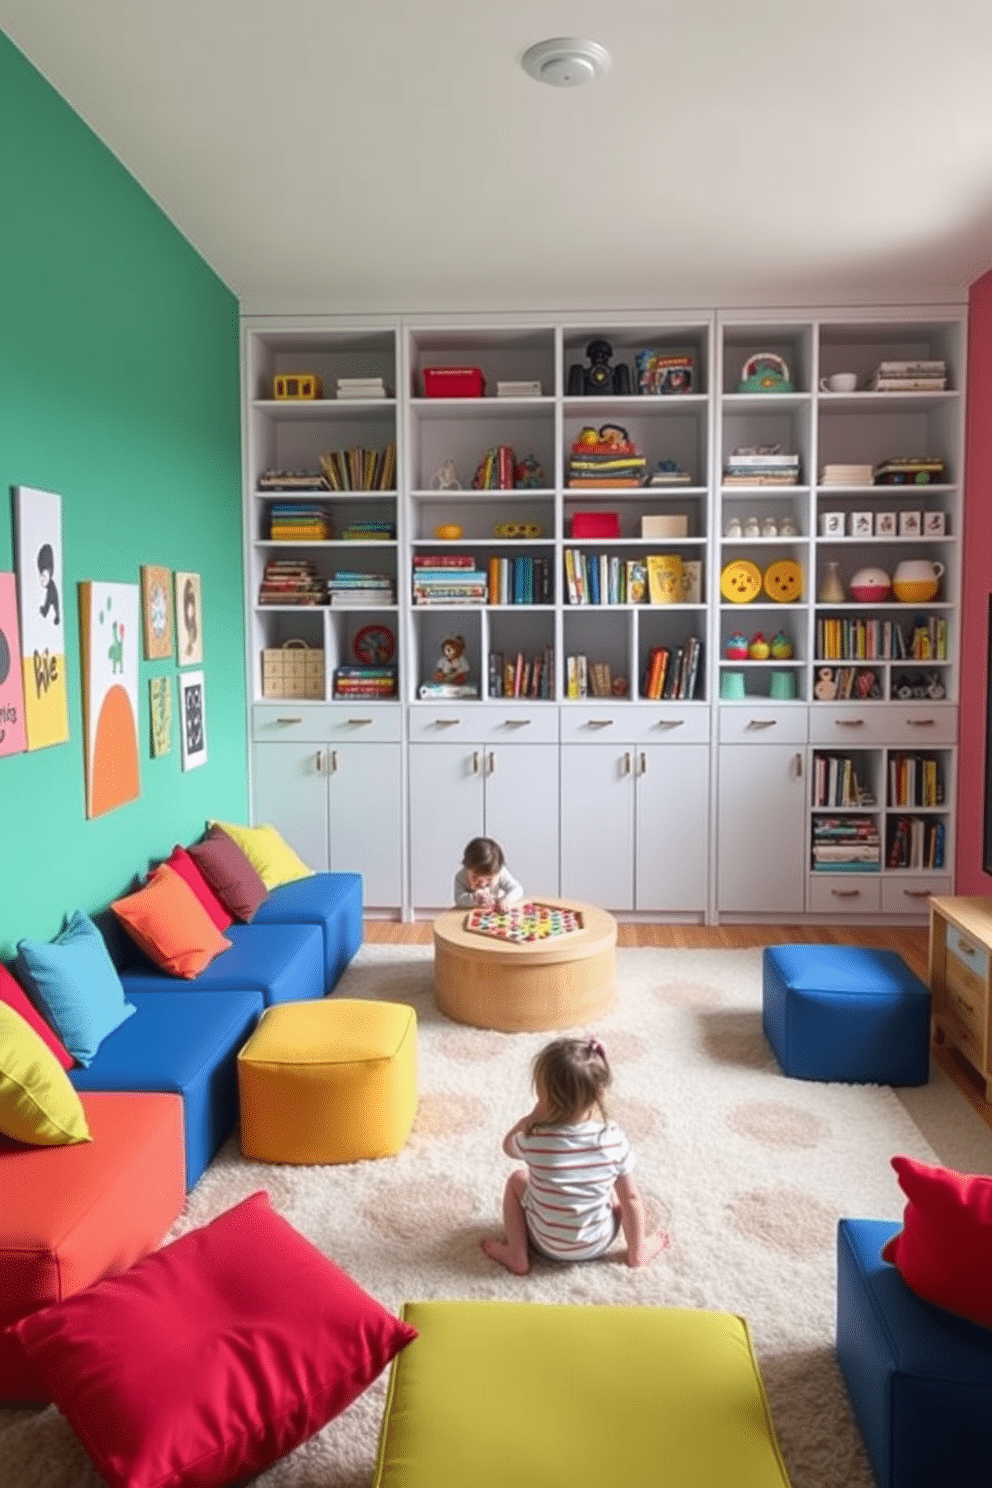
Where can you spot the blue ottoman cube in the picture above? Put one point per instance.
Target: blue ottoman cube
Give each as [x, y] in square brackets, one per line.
[919, 1378]
[846, 1013]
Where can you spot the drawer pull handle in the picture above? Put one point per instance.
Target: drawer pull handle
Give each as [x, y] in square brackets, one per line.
[916, 893]
[669, 723]
[970, 1006]
[285, 721]
[846, 893]
[965, 948]
[761, 723]
[599, 723]
[849, 722]
[921, 722]
[446, 722]
[359, 722]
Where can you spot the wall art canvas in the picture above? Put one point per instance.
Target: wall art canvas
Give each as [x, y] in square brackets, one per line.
[156, 611]
[38, 546]
[109, 642]
[194, 719]
[160, 699]
[189, 619]
[12, 736]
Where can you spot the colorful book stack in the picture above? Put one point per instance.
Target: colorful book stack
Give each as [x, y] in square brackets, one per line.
[365, 682]
[448, 578]
[290, 581]
[757, 465]
[520, 581]
[605, 460]
[369, 531]
[522, 676]
[360, 469]
[836, 783]
[915, 842]
[299, 521]
[360, 589]
[915, 780]
[909, 470]
[846, 844]
[495, 470]
[672, 672]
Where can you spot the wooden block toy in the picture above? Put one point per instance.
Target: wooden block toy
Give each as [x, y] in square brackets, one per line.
[300, 385]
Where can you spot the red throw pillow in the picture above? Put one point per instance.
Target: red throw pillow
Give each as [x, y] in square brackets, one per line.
[944, 1249]
[180, 862]
[213, 1357]
[234, 880]
[13, 994]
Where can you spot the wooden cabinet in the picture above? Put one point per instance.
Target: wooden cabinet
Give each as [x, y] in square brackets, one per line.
[960, 961]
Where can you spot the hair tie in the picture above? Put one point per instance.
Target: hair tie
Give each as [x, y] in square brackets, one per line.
[595, 1047]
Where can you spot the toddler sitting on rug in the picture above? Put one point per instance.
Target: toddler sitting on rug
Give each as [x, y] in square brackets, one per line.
[484, 881]
[576, 1192]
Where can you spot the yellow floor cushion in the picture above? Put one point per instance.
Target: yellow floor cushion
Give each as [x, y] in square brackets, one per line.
[328, 1082]
[497, 1393]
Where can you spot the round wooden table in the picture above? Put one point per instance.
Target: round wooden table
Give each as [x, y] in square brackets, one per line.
[529, 986]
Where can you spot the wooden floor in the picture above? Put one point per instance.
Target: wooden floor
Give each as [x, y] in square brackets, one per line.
[911, 943]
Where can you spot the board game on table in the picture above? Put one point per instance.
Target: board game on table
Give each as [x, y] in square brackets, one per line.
[533, 920]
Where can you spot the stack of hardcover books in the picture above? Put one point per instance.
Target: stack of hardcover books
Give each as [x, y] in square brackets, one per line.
[757, 465]
[365, 682]
[846, 844]
[909, 470]
[291, 581]
[362, 387]
[360, 590]
[607, 461]
[909, 376]
[448, 578]
[299, 521]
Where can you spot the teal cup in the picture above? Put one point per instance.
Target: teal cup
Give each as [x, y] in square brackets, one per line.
[782, 686]
[732, 686]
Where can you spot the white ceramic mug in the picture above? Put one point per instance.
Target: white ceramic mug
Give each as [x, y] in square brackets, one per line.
[839, 382]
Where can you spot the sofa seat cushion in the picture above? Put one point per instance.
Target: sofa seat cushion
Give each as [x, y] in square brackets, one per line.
[635, 1395]
[331, 900]
[71, 1215]
[185, 1042]
[283, 962]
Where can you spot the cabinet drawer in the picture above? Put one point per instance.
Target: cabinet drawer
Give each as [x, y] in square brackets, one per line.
[971, 1044]
[851, 724]
[965, 996]
[911, 895]
[652, 724]
[843, 893]
[326, 721]
[490, 723]
[751, 723]
[966, 957]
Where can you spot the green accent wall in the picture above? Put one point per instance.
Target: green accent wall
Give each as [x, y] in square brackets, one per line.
[119, 390]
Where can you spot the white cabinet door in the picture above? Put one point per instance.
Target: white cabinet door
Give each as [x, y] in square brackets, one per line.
[290, 791]
[672, 827]
[522, 812]
[446, 809]
[597, 824]
[761, 800]
[364, 806]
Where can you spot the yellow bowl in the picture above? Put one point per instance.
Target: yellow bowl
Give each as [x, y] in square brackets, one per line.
[448, 532]
[915, 591]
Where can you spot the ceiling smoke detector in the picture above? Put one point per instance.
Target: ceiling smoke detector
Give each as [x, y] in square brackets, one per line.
[565, 61]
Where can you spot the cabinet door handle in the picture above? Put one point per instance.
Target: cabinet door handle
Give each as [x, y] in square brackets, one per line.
[761, 723]
[921, 722]
[849, 722]
[285, 721]
[799, 766]
[359, 722]
[319, 761]
[625, 764]
[491, 763]
[642, 763]
[475, 762]
[334, 762]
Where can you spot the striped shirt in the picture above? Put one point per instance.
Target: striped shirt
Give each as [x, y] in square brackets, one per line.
[572, 1170]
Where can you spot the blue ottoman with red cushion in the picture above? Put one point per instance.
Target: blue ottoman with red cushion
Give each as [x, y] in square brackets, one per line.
[846, 1013]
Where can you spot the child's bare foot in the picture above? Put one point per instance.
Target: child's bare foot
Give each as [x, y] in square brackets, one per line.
[498, 1250]
[650, 1250]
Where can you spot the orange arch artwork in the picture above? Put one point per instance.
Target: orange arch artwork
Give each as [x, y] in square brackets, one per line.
[109, 635]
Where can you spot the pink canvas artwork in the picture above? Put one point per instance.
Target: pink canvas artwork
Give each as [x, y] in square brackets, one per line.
[12, 736]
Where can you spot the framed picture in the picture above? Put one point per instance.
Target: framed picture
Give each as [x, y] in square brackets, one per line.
[862, 524]
[934, 524]
[885, 524]
[156, 611]
[108, 638]
[189, 619]
[12, 736]
[832, 524]
[160, 703]
[194, 719]
[909, 524]
[38, 529]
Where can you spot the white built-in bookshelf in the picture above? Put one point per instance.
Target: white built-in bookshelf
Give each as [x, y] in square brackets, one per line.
[703, 786]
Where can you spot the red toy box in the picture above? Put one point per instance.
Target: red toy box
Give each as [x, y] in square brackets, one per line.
[453, 382]
[595, 524]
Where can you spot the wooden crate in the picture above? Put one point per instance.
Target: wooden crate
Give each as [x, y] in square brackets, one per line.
[293, 670]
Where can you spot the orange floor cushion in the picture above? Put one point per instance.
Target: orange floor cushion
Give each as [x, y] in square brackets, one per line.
[72, 1215]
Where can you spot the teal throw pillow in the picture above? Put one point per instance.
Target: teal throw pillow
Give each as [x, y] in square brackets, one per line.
[74, 983]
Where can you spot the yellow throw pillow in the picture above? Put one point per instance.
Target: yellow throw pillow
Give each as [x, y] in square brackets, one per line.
[38, 1103]
[270, 855]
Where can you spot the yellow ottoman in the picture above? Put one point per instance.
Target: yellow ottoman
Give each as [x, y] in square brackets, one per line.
[328, 1082]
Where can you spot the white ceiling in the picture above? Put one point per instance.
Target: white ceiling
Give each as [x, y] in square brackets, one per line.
[391, 155]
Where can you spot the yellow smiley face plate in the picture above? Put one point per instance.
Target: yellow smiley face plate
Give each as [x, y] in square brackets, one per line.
[517, 529]
[784, 581]
[740, 581]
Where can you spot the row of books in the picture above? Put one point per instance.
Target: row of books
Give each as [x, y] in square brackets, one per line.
[672, 672]
[299, 521]
[495, 470]
[916, 842]
[291, 581]
[606, 578]
[925, 639]
[521, 580]
[359, 590]
[754, 466]
[846, 844]
[358, 469]
[365, 682]
[521, 675]
[915, 780]
[836, 783]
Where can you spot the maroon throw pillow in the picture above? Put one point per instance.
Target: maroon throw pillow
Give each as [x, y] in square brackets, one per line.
[234, 880]
[180, 862]
[13, 994]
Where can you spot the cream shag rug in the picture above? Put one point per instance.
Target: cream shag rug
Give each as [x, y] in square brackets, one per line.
[748, 1171]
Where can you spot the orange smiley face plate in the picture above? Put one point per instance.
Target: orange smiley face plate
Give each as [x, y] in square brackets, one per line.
[784, 581]
[740, 581]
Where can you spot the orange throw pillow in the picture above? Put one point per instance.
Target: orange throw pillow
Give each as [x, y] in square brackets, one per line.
[170, 925]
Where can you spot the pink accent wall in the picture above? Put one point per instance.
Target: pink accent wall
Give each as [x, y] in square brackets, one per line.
[970, 877]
